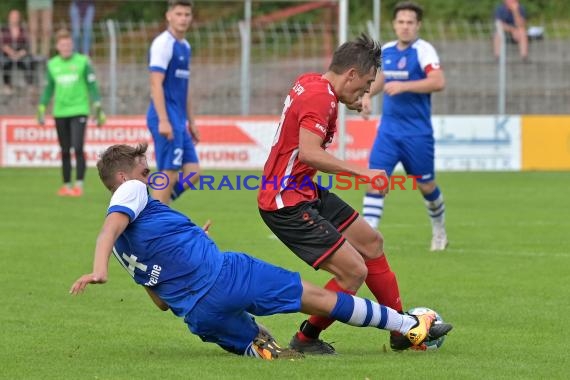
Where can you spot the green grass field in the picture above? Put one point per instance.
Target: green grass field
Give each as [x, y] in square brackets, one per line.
[504, 283]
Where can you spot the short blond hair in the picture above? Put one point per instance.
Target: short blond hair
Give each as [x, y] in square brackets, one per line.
[62, 34]
[116, 158]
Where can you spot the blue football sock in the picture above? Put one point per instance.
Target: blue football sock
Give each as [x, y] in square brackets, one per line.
[436, 208]
[177, 191]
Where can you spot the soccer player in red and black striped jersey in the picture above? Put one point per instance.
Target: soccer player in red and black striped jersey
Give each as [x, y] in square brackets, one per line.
[318, 226]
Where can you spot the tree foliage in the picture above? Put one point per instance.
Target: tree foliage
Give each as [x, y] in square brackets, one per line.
[470, 10]
[360, 10]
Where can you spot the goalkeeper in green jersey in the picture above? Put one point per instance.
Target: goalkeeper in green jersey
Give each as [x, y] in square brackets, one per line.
[71, 82]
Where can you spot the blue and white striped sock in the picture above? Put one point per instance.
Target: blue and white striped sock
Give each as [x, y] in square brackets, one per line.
[436, 208]
[362, 312]
[250, 351]
[373, 208]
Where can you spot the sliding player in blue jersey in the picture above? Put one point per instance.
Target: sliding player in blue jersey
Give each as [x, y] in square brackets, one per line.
[169, 116]
[215, 292]
[410, 73]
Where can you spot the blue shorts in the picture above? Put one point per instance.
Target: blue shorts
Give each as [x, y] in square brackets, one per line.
[416, 153]
[245, 286]
[172, 154]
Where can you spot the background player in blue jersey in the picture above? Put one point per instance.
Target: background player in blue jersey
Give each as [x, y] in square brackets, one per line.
[216, 293]
[169, 116]
[410, 73]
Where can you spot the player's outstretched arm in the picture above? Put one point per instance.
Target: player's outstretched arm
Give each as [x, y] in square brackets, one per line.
[378, 84]
[157, 95]
[45, 98]
[435, 81]
[206, 226]
[311, 153]
[114, 225]
[375, 88]
[192, 127]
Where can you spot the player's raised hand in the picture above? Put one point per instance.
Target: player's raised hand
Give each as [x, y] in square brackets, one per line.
[99, 116]
[379, 180]
[165, 129]
[41, 114]
[366, 107]
[355, 106]
[82, 282]
[394, 88]
[206, 226]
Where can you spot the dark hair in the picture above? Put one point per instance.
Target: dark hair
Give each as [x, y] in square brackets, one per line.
[408, 6]
[118, 158]
[361, 54]
[184, 3]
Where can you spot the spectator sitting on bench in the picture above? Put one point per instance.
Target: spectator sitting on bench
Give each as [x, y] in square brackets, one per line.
[15, 52]
[512, 16]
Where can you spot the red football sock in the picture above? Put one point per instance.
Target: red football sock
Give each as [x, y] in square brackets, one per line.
[321, 323]
[383, 284]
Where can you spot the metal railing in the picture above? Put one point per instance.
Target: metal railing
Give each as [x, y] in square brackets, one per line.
[281, 51]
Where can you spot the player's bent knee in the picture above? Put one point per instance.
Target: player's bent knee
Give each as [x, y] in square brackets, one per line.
[379, 243]
[427, 187]
[375, 246]
[352, 278]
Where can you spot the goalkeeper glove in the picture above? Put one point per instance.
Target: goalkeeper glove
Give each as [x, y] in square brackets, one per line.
[41, 114]
[100, 116]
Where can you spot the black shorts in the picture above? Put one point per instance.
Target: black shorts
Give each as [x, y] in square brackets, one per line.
[312, 230]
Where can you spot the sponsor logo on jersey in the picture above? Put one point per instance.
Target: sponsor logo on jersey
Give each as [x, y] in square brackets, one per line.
[180, 73]
[395, 74]
[154, 275]
[320, 128]
[298, 88]
[67, 78]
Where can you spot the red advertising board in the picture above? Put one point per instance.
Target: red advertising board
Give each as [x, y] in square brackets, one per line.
[226, 142]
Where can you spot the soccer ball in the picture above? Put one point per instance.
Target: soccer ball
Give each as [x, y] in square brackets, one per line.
[428, 344]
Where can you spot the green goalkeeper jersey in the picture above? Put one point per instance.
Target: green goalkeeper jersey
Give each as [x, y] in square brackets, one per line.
[72, 83]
